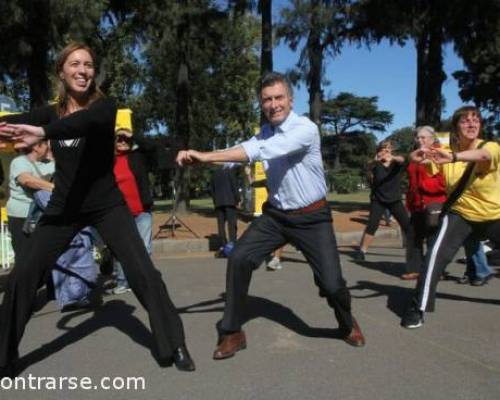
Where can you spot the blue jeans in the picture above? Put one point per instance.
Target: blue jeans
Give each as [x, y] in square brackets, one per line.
[477, 263]
[144, 222]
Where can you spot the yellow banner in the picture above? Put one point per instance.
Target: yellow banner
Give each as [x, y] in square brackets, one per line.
[260, 193]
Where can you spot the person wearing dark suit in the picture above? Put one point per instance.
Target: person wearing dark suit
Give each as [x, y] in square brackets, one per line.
[296, 212]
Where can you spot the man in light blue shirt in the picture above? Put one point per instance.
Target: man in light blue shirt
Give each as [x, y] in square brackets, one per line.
[296, 212]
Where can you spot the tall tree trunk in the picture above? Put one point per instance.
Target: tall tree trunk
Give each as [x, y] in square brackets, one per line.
[38, 19]
[182, 125]
[266, 51]
[430, 73]
[315, 54]
[266, 59]
[435, 75]
[421, 46]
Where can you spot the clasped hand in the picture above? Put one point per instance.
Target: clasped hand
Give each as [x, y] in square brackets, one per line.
[436, 155]
[189, 157]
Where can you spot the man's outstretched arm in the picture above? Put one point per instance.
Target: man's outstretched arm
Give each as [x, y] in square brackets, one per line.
[233, 154]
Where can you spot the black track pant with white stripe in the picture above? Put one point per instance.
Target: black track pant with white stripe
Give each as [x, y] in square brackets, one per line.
[454, 230]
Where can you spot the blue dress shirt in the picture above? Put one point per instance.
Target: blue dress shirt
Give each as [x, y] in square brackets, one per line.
[291, 155]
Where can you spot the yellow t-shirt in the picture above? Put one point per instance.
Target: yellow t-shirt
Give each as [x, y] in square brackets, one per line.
[480, 201]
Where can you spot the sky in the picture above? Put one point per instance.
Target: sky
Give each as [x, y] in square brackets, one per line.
[386, 71]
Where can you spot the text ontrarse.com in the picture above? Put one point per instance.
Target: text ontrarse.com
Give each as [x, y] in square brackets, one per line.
[32, 382]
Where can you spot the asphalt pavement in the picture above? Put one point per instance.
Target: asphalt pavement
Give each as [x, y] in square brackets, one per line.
[293, 347]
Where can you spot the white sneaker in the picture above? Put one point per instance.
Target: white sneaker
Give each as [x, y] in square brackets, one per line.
[274, 264]
[120, 290]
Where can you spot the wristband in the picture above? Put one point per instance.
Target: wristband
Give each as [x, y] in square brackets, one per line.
[453, 157]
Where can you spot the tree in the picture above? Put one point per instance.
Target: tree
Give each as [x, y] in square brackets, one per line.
[347, 111]
[480, 50]
[201, 70]
[426, 23]
[323, 25]
[33, 31]
[403, 139]
[345, 115]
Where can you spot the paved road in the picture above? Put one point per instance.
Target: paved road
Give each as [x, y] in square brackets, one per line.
[292, 350]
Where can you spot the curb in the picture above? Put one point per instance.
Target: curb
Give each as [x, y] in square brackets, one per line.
[173, 246]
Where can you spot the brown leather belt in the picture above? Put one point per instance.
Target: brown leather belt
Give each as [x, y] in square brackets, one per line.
[310, 208]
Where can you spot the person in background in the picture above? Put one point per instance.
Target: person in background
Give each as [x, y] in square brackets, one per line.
[478, 271]
[224, 190]
[274, 264]
[384, 174]
[131, 174]
[423, 188]
[81, 130]
[29, 172]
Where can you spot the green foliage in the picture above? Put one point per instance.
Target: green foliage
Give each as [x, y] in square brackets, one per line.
[353, 150]
[480, 49]
[403, 140]
[347, 111]
[321, 26]
[344, 180]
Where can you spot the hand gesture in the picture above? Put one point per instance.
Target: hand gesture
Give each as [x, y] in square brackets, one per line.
[190, 157]
[23, 135]
[5, 135]
[440, 156]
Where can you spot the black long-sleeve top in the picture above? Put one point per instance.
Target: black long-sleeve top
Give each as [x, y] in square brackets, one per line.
[386, 183]
[83, 148]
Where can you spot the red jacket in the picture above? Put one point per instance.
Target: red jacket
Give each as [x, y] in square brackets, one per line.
[423, 188]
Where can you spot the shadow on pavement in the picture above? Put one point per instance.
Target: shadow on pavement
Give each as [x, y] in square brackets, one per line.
[398, 298]
[115, 313]
[258, 307]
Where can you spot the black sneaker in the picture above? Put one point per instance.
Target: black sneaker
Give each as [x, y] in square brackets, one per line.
[359, 255]
[412, 319]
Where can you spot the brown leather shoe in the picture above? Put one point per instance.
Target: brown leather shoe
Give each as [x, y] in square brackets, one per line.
[355, 338]
[229, 345]
[410, 276]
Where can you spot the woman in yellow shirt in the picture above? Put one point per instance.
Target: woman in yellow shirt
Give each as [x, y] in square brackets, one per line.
[476, 212]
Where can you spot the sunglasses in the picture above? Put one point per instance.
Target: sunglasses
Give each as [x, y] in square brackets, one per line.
[123, 139]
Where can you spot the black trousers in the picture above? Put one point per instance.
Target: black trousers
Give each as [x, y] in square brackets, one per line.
[377, 208]
[20, 241]
[312, 234]
[417, 236]
[226, 214]
[454, 230]
[119, 231]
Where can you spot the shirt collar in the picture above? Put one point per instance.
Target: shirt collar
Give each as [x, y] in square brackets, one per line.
[285, 124]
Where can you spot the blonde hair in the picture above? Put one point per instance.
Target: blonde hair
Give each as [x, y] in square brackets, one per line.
[94, 92]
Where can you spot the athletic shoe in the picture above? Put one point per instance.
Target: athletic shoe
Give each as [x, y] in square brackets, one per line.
[274, 264]
[359, 255]
[118, 290]
[412, 319]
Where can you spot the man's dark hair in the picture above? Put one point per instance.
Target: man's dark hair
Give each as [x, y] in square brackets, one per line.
[272, 78]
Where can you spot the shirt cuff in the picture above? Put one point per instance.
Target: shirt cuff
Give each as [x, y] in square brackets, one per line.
[252, 149]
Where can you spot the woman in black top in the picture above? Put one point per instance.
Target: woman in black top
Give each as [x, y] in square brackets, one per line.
[385, 177]
[81, 130]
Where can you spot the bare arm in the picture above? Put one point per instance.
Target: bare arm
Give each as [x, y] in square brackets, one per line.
[443, 157]
[27, 180]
